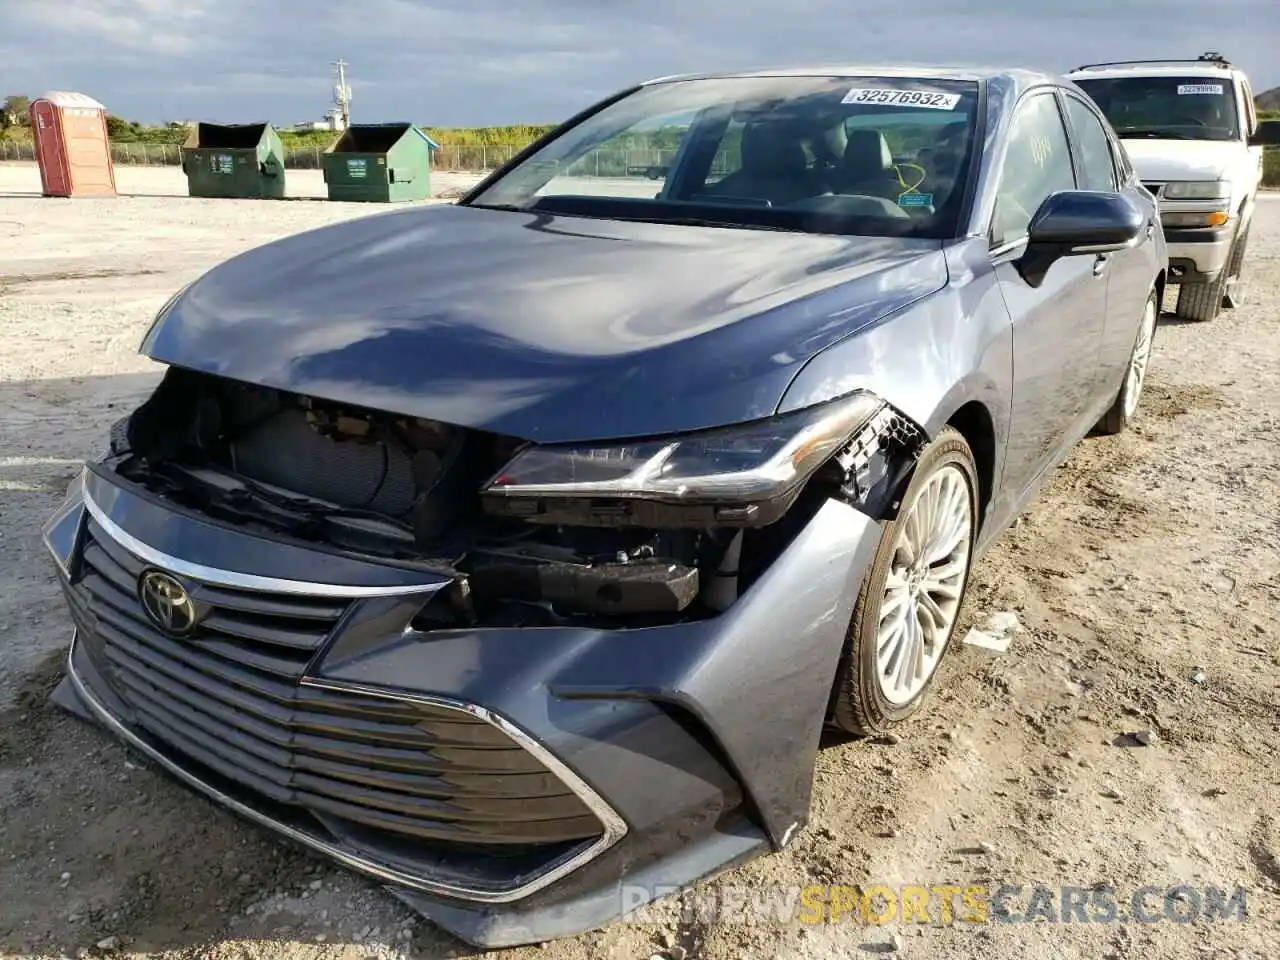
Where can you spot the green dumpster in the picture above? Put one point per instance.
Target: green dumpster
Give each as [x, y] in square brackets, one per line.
[379, 163]
[234, 160]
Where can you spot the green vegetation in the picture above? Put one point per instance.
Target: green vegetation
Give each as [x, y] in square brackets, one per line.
[1269, 109]
[13, 110]
[520, 135]
[1271, 167]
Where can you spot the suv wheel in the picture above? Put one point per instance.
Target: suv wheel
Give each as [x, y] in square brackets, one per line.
[1201, 302]
[910, 599]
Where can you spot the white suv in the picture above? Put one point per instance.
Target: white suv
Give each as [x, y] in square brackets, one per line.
[1191, 132]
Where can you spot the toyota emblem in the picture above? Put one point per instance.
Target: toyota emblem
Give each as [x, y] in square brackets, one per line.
[167, 603]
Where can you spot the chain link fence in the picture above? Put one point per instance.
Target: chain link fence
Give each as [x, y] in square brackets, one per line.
[16, 151]
[478, 158]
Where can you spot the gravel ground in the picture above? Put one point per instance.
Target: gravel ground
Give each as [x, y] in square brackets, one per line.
[1144, 580]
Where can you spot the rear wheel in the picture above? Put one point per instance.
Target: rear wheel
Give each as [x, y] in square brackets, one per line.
[910, 599]
[1125, 407]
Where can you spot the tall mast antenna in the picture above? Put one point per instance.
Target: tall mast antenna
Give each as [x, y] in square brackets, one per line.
[342, 92]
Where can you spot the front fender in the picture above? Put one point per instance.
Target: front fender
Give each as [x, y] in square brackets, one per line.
[929, 359]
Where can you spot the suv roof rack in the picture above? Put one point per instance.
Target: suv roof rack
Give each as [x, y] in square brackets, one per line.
[1209, 57]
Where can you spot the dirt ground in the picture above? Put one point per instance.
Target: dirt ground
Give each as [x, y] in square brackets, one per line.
[1145, 577]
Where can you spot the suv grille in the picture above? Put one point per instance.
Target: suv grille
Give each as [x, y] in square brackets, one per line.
[229, 699]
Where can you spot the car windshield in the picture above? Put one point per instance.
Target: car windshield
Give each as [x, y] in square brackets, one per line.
[871, 156]
[1167, 107]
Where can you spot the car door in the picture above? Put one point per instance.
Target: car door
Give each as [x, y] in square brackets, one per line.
[1130, 273]
[1057, 324]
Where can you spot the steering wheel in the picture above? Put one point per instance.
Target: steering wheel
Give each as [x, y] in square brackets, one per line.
[1194, 120]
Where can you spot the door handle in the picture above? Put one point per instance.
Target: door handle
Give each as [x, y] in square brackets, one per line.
[1100, 264]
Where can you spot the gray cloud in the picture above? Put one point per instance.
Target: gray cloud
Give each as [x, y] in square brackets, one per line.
[472, 62]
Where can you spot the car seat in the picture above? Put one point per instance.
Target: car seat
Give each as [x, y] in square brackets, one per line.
[867, 166]
[774, 167]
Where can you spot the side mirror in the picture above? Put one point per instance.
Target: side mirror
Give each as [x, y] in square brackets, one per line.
[1076, 222]
[1267, 134]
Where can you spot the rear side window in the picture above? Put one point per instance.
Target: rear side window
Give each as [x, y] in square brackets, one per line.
[1036, 164]
[1093, 147]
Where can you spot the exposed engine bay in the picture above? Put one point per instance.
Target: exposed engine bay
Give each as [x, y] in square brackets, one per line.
[409, 490]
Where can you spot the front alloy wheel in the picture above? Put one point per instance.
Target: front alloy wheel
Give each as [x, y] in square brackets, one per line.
[922, 592]
[1125, 407]
[911, 597]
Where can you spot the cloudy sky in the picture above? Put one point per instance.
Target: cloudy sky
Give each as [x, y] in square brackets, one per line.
[478, 62]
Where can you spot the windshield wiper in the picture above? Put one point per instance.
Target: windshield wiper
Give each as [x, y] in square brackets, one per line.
[707, 222]
[1155, 133]
[507, 207]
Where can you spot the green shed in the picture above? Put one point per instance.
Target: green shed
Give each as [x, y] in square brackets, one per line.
[379, 163]
[234, 160]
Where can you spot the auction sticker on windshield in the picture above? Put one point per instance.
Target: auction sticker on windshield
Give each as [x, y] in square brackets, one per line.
[1211, 89]
[902, 98]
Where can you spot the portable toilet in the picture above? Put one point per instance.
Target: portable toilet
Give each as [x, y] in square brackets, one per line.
[71, 145]
[244, 160]
[379, 163]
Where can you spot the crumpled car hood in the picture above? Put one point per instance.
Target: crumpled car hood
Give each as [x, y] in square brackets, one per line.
[540, 327]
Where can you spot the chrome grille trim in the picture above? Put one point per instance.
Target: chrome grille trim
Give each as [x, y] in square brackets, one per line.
[615, 827]
[243, 581]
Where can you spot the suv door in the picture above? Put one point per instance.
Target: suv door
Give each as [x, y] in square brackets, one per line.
[1130, 272]
[1058, 325]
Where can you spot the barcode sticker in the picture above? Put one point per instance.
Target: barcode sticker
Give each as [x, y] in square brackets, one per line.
[1190, 89]
[902, 98]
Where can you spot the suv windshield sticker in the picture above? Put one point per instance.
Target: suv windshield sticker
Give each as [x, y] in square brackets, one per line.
[902, 98]
[1213, 89]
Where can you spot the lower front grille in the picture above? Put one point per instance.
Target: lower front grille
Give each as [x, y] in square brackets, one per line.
[402, 779]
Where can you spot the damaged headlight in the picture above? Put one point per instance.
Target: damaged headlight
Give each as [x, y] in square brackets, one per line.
[737, 469]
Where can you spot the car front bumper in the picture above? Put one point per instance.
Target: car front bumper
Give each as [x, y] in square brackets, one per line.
[1198, 255]
[513, 785]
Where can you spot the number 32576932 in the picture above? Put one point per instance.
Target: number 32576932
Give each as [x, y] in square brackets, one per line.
[905, 98]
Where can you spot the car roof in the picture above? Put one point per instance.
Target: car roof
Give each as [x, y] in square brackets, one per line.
[1014, 79]
[1189, 68]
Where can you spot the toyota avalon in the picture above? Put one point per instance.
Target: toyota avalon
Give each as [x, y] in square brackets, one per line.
[517, 551]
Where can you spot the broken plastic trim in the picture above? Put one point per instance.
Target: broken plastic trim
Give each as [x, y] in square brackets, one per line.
[878, 460]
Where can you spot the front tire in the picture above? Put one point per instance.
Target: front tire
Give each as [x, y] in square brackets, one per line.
[911, 597]
[1122, 412]
[1202, 302]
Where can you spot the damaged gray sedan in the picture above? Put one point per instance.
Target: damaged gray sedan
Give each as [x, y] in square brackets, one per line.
[515, 553]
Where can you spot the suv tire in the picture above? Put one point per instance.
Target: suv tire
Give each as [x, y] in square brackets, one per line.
[1201, 302]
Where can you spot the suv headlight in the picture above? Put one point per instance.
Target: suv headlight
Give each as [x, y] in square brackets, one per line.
[763, 460]
[1197, 190]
